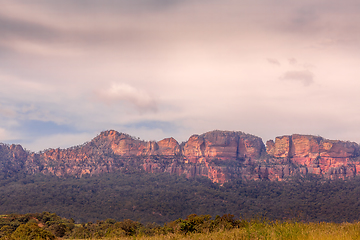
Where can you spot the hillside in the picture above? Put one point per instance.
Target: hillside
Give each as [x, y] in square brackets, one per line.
[119, 176]
[162, 197]
[218, 155]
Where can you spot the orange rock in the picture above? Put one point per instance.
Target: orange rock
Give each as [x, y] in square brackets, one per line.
[168, 146]
[270, 147]
[250, 146]
[304, 146]
[221, 144]
[338, 149]
[194, 147]
[282, 146]
[218, 155]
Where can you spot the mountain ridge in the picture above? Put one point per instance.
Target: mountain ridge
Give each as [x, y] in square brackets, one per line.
[219, 155]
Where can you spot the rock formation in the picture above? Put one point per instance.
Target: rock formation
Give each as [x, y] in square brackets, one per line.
[218, 155]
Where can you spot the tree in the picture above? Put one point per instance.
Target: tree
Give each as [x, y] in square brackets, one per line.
[30, 231]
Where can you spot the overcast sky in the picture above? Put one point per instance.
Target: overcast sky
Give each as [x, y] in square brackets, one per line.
[161, 68]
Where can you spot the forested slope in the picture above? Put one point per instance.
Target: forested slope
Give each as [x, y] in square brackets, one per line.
[162, 197]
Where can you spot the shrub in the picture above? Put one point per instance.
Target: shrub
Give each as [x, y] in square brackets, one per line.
[30, 231]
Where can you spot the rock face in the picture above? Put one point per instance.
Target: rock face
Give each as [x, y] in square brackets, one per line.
[218, 155]
[12, 159]
[223, 145]
[313, 154]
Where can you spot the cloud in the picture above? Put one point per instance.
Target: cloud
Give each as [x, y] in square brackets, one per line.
[119, 6]
[153, 124]
[7, 112]
[154, 130]
[41, 128]
[61, 62]
[273, 61]
[15, 28]
[306, 77]
[305, 19]
[121, 92]
[292, 61]
[64, 140]
[5, 135]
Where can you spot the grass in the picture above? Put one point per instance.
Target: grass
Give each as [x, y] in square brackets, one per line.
[271, 231]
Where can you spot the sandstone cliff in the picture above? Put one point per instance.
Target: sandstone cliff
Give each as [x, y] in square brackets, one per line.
[218, 155]
[313, 154]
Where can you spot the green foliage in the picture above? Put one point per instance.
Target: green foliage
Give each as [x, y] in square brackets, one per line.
[35, 225]
[161, 198]
[6, 231]
[81, 233]
[192, 227]
[128, 226]
[48, 226]
[31, 231]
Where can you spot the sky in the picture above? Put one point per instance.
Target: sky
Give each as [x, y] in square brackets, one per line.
[171, 68]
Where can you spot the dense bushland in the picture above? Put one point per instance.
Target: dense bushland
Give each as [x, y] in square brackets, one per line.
[49, 226]
[163, 198]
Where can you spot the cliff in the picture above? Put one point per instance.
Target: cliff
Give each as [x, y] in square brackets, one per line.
[312, 154]
[218, 155]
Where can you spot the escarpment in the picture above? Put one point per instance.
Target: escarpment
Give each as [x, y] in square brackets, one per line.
[218, 155]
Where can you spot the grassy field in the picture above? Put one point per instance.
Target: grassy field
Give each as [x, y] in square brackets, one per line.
[275, 231]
